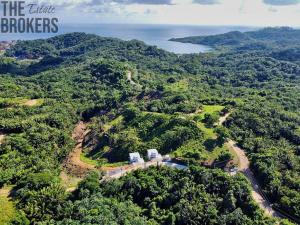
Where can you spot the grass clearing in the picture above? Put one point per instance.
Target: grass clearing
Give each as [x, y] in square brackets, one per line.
[7, 207]
[179, 86]
[208, 109]
[298, 131]
[102, 162]
[117, 164]
[211, 109]
[112, 123]
[196, 148]
[84, 158]
[202, 148]
[11, 102]
[68, 181]
[208, 132]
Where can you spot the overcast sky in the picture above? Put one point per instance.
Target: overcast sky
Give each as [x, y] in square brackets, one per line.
[196, 12]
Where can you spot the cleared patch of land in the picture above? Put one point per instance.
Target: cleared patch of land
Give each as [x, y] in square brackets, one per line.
[209, 151]
[12, 102]
[112, 123]
[2, 136]
[179, 86]
[68, 181]
[73, 165]
[79, 162]
[33, 102]
[129, 78]
[7, 207]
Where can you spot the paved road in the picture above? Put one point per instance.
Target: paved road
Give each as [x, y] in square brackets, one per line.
[119, 172]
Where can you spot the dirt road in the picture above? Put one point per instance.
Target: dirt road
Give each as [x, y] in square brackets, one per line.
[244, 167]
[222, 119]
[73, 165]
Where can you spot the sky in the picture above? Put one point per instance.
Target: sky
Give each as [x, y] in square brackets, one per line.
[193, 12]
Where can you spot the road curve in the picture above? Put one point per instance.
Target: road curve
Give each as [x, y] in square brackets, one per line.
[74, 165]
[244, 167]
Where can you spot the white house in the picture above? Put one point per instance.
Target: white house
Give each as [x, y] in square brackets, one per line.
[153, 154]
[135, 158]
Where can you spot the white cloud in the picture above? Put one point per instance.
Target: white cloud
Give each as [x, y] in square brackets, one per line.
[206, 12]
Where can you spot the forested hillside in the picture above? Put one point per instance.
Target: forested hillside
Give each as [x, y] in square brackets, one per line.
[134, 97]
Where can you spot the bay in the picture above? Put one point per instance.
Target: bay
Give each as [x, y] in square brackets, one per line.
[157, 35]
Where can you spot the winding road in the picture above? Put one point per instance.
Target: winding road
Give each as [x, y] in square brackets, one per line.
[76, 167]
[244, 167]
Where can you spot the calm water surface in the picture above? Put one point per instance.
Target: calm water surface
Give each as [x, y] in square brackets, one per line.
[157, 35]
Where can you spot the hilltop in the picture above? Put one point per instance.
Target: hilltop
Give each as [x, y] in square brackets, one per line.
[263, 39]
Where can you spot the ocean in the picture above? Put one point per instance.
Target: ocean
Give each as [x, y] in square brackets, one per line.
[157, 35]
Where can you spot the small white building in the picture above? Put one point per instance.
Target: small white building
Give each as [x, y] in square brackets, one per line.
[135, 158]
[153, 154]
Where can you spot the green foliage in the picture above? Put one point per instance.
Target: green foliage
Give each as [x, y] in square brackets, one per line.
[223, 134]
[112, 73]
[100, 210]
[90, 185]
[264, 39]
[268, 133]
[79, 75]
[210, 119]
[187, 197]
[225, 156]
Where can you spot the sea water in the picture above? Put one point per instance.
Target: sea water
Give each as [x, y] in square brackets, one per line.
[157, 35]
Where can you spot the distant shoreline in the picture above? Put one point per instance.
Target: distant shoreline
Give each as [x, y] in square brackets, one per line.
[151, 34]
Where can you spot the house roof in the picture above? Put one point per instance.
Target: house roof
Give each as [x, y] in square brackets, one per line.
[150, 151]
[134, 155]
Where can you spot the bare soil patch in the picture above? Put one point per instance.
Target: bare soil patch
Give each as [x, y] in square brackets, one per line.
[2, 137]
[32, 102]
[73, 165]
